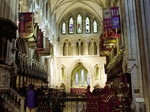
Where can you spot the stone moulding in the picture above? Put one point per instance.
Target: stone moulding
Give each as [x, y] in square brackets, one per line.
[4, 77]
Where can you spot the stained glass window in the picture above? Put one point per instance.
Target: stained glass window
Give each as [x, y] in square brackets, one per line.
[82, 77]
[63, 28]
[88, 79]
[95, 27]
[71, 25]
[79, 24]
[87, 25]
[76, 79]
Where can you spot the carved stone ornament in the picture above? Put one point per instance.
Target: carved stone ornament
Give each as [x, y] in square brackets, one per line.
[4, 77]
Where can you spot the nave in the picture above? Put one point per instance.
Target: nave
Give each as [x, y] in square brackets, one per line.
[74, 44]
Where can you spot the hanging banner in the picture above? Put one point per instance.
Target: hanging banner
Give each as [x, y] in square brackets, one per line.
[112, 33]
[111, 18]
[25, 24]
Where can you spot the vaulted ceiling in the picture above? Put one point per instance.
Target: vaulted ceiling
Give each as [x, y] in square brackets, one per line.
[59, 8]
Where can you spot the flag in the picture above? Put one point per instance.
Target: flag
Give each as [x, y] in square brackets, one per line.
[111, 18]
[26, 22]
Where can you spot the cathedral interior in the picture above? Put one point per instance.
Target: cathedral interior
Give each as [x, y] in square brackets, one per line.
[94, 51]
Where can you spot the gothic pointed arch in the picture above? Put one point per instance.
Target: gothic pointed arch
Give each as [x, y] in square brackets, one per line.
[63, 68]
[79, 76]
[74, 65]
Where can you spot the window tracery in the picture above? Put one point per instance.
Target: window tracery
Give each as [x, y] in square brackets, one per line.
[87, 25]
[81, 78]
[95, 29]
[79, 24]
[71, 25]
[63, 28]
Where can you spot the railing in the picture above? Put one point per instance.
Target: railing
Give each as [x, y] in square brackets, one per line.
[111, 98]
[70, 103]
[15, 100]
[74, 103]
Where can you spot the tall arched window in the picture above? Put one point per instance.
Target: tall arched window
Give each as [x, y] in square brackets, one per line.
[95, 26]
[63, 28]
[87, 25]
[82, 77]
[76, 79]
[79, 24]
[71, 25]
[88, 79]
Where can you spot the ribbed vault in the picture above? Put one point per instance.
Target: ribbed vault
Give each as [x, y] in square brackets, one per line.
[59, 8]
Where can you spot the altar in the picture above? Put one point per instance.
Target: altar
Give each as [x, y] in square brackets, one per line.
[79, 90]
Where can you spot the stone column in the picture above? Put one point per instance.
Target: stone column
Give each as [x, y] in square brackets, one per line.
[86, 49]
[61, 50]
[144, 34]
[132, 51]
[97, 45]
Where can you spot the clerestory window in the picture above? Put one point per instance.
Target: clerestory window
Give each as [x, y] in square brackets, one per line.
[64, 28]
[71, 25]
[87, 25]
[79, 24]
[95, 30]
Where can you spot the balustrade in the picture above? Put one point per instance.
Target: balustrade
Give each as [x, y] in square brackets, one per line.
[14, 100]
